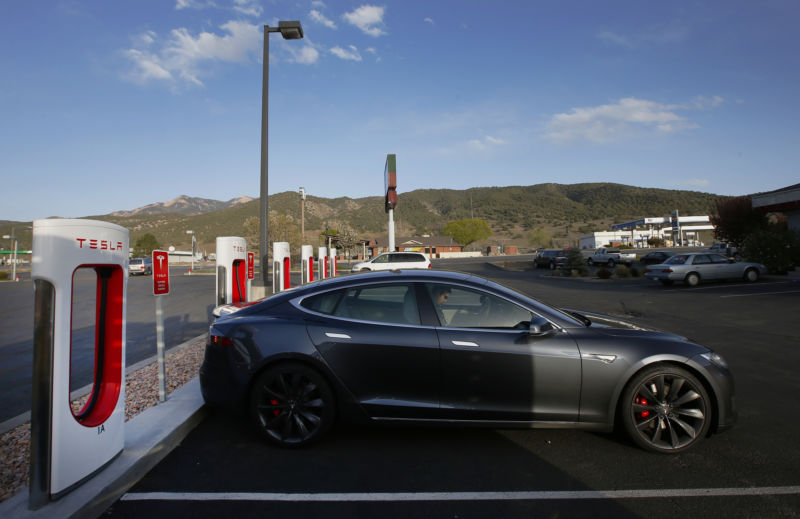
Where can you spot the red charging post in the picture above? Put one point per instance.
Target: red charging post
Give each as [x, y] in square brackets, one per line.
[251, 271]
[160, 288]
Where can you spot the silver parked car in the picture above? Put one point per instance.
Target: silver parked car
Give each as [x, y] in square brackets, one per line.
[694, 268]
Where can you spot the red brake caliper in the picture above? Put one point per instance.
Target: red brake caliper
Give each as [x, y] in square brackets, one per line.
[642, 401]
[275, 412]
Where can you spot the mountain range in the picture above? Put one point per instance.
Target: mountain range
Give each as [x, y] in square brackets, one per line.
[565, 210]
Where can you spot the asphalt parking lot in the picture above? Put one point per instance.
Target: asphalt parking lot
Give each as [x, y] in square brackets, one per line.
[223, 469]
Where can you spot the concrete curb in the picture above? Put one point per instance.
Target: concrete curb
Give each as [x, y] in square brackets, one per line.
[149, 437]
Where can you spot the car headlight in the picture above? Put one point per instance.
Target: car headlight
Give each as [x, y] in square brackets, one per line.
[715, 358]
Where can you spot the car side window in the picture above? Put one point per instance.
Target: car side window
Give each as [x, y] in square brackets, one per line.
[718, 258]
[395, 303]
[459, 307]
[701, 259]
[381, 259]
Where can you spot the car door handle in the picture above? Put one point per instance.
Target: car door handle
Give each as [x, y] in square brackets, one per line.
[465, 343]
[337, 335]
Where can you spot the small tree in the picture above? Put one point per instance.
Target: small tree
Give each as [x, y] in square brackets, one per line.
[778, 249]
[145, 245]
[735, 219]
[540, 237]
[467, 231]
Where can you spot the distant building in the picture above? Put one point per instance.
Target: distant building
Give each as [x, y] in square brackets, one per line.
[785, 201]
[637, 232]
[430, 245]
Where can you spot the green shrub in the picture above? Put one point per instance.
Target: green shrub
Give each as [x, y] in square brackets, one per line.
[635, 272]
[603, 273]
[575, 263]
[621, 271]
[777, 249]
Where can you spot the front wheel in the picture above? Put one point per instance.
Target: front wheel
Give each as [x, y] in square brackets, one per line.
[751, 275]
[610, 263]
[292, 405]
[665, 409]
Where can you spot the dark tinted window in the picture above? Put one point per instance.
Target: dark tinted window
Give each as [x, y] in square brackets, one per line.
[459, 307]
[391, 303]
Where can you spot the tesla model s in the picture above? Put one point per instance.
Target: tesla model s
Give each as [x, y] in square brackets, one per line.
[436, 347]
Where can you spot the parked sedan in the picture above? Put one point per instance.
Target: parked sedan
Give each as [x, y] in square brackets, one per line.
[140, 266]
[656, 257]
[695, 268]
[435, 347]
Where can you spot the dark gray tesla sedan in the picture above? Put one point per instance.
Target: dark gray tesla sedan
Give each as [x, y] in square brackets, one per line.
[434, 347]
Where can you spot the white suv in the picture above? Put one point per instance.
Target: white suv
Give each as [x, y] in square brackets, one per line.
[394, 261]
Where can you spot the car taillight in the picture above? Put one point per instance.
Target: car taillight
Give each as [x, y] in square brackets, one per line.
[666, 271]
[220, 340]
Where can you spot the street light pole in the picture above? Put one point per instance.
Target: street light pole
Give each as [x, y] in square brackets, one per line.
[290, 31]
[302, 214]
[192, 233]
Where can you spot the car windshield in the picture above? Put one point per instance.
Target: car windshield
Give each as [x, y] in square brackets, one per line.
[677, 260]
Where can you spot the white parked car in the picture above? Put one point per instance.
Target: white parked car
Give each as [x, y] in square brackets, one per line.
[394, 261]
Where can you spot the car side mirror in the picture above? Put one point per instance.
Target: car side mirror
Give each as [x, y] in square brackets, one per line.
[540, 327]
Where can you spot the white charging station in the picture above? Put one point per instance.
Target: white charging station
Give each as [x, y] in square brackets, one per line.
[231, 270]
[281, 266]
[67, 446]
[307, 264]
[332, 262]
[322, 262]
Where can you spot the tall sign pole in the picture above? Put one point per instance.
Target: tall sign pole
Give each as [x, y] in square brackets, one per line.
[160, 288]
[390, 188]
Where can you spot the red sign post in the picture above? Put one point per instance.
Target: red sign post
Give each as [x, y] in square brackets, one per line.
[160, 288]
[160, 272]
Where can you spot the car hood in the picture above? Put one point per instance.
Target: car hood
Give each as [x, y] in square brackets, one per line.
[612, 326]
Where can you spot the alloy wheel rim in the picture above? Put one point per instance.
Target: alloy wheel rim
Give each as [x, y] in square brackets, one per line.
[291, 407]
[669, 412]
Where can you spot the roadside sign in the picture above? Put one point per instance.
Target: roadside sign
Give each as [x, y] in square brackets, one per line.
[251, 260]
[160, 272]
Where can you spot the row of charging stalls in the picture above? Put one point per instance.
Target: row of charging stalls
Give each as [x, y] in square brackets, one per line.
[70, 442]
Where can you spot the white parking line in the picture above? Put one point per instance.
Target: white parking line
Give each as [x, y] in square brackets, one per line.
[764, 293]
[707, 287]
[461, 496]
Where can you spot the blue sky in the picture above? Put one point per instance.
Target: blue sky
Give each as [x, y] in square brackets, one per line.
[110, 105]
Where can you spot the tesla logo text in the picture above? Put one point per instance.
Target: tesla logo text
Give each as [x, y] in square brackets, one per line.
[101, 429]
[98, 244]
[160, 259]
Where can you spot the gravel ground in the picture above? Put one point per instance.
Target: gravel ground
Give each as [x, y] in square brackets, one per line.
[141, 392]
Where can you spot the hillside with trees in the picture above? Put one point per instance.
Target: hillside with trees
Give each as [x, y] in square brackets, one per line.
[562, 211]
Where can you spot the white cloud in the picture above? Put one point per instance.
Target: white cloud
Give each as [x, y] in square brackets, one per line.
[248, 7]
[615, 39]
[321, 19]
[485, 144]
[368, 18]
[351, 53]
[429, 20]
[305, 55]
[184, 55]
[613, 122]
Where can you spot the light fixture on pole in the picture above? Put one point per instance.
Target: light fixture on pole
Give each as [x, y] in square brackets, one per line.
[291, 30]
[193, 242]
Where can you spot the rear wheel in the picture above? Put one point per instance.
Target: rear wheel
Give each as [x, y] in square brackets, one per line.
[665, 409]
[589, 262]
[751, 275]
[692, 279]
[292, 405]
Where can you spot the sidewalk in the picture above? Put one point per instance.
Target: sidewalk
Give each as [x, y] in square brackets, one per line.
[149, 437]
